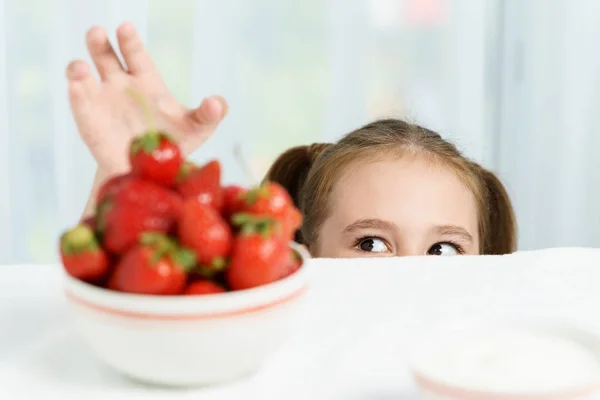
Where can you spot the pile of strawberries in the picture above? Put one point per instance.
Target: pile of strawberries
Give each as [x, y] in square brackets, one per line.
[169, 227]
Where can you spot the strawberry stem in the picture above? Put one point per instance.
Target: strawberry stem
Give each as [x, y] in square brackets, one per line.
[78, 239]
[165, 246]
[160, 244]
[265, 229]
[80, 236]
[146, 143]
[139, 98]
[250, 224]
[247, 229]
[185, 258]
[240, 219]
[252, 195]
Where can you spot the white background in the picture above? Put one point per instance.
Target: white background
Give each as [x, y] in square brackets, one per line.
[512, 82]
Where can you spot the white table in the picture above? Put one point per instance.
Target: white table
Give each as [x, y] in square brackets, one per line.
[355, 339]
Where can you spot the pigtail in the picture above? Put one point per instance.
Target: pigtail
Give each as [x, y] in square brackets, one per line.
[501, 232]
[291, 169]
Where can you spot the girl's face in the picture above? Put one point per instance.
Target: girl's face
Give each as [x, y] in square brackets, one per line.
[400, 207]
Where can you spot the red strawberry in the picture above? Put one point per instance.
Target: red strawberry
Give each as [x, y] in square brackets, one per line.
[133, 207]
[81, 255]
[204, 287]
[203, 230]
[292, 265]
[202, 183]
[156, 266]
[110, 186]
[233, 199]
[270, 199]
[258, 257]
[155, 156]
[292, 221]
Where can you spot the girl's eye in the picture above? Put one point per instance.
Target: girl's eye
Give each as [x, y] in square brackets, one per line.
[443, 249]
[372, 245]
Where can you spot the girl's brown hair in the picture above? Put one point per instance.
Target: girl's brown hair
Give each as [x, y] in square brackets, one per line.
[309, 173]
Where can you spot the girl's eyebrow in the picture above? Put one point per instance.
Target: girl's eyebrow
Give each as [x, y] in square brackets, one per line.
[453, 230]
[370, 224]
[379, 224]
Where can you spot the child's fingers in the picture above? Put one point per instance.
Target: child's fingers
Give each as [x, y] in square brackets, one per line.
[212, 110]
[80, 71]
[103, 54]
[77, 99]
[134, 52]
[205, 119]
[82, 86]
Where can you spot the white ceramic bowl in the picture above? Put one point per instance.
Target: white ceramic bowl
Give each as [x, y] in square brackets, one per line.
[188, 340]
[507, 361]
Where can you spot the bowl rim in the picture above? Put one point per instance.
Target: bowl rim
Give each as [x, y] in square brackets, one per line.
[460, 392]
[179, 307]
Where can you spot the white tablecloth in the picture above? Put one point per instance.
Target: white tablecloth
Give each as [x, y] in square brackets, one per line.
[358, 326]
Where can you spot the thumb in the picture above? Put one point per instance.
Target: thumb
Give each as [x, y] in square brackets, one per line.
[211, 111]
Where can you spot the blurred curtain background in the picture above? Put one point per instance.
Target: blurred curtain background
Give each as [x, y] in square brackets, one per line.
[511, 82]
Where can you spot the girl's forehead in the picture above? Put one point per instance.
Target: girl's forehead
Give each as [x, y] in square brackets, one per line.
[406, 191]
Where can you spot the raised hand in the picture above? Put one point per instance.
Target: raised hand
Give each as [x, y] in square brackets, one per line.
[107, 116]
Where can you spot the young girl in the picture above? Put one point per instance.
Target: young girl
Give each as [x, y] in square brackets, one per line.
[393, 188]
[389, 188]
